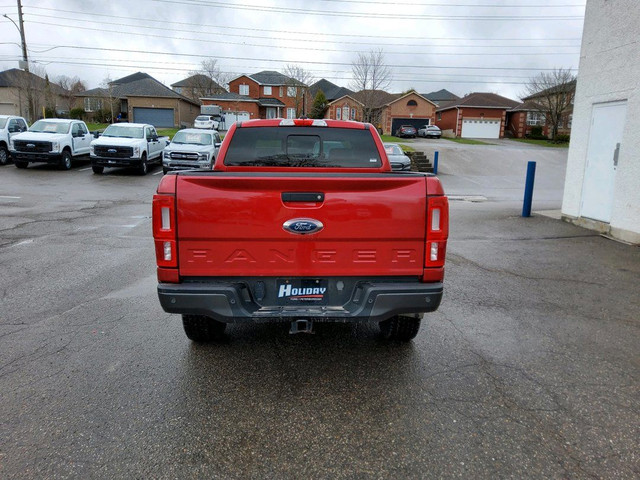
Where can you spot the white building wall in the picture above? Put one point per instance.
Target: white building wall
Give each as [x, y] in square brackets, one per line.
[609, 71]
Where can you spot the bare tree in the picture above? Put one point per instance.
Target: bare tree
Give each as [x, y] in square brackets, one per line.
[370, 76]
[30, 89]
[71, 86]
[208, 80]
[552, 94]
[109, 97]
[298, 79]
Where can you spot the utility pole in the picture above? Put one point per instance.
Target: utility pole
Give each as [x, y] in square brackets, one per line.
[24, 42]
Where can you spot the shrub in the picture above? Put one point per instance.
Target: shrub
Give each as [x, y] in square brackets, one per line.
[50, 112]
[564, 138]
[536, 131]
[76, 113]
[102, 116]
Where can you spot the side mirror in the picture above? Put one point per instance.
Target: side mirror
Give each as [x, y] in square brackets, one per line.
[217, 144]
[154, 138]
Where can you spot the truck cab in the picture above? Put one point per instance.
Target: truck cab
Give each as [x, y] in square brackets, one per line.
[9, 126]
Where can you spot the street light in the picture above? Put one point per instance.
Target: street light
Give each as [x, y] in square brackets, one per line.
[25, 60]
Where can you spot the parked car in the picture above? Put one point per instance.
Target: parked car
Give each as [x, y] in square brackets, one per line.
[397, 158]
[406, 131]
[9, 126]
[191, 148]
[127, 145]
[431, 131]
[209, 122]
[54, 141]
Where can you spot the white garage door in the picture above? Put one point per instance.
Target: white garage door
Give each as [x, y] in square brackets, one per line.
[229, 118]
[477, 128]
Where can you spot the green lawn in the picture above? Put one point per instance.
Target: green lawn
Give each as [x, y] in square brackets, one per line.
[170, 132]
[392, 139]
[468, 141]
[542, 143]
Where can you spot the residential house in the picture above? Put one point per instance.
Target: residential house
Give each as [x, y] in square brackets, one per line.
[141, 98]
[602, 185]
[345, 108]
[331, 90]
[530, 112]
[441, 97]
[19, 88]
[265, 94]
[389, 111]
[477, 115]
[197, 86]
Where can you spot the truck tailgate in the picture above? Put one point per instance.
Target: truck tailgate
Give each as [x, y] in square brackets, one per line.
[231, 224]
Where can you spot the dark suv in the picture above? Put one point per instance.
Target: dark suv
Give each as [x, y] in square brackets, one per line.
[406, 131]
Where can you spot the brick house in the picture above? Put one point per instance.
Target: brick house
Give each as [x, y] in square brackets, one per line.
[390, 111]
[197, 86]
[527, 114]
[24, 93]
[477, 115]
[143, 99]
[344, 108]
[264, 94]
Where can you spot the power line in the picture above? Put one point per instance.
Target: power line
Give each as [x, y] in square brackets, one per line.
[293, 47]
[386, 16]
[467, 5]
[299, 33]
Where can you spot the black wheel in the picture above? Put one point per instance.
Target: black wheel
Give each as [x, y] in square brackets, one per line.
[65, 160]
[97, 170]
[201, 328]
[21, 164]
[144, 167]
[4, 155]
[400, 328]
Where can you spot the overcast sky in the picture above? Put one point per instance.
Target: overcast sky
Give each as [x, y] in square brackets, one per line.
[461, 45]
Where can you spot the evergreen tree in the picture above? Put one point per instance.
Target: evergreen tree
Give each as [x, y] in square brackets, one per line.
[319, 105]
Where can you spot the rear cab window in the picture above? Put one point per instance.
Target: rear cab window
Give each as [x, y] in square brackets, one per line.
[315, 147]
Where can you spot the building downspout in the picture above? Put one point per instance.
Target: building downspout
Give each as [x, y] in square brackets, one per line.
[457, 120]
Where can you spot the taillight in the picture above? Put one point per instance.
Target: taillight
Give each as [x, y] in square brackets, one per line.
[164, 230]
[437, 231]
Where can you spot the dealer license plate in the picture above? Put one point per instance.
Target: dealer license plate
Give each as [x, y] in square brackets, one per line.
[297, 291]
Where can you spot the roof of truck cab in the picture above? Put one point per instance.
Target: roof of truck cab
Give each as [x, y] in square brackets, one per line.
[281, 122]
[127, 124]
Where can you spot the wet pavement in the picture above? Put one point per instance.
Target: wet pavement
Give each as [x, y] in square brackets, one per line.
[529, 369]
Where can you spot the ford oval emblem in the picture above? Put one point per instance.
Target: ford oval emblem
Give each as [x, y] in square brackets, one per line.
[303, 226]
[112, 150]
[31, 145]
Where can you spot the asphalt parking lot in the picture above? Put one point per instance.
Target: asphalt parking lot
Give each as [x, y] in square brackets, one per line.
[529, 369]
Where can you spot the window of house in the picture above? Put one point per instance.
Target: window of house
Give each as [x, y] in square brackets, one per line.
[439, 115]
[338, 113]
[281, 91]
[267, 91]
[561, 122]
[345, 112]
[570, 121]
[353, 114]
[412, 103]
[244, 90]
[92, 104]
[291, 113]
[535, 118]
[291, 91]
[178, 89]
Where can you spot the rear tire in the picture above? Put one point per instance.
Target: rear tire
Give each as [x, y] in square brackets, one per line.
[400, 328]
[21, 164]
[4, 155]
[202, 329]
[97, 170]
[65, 160]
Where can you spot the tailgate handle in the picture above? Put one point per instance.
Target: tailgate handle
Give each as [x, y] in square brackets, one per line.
[302, 197]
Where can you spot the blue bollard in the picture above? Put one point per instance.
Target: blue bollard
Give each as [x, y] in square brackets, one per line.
[528, 189]
[435, 163]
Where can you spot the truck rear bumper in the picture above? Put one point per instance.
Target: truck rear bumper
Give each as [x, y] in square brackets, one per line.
[232, 302]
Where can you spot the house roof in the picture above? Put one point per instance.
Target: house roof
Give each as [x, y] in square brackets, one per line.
[344, 96]
[197, 80]
[482, 100]
[525, 107]
[270, 77]
[440, 96]
[136, 85]
[19, 78]
[563, 88]
[270, 102]
[331, 90]
[230, 97]
[413, 92]
[376, 98]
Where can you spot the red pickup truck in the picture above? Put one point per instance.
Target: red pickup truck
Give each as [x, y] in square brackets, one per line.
[300, 221]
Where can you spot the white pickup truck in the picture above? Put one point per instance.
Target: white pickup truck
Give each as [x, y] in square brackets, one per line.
[191, 148]
[51, 140]
[127, 145]
[9, 126]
